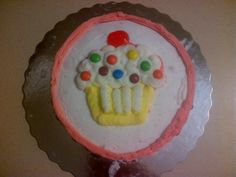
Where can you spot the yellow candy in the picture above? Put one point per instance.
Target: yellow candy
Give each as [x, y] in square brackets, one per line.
[132, 54]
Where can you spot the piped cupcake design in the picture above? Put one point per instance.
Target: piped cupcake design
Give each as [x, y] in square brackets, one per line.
[119, 81]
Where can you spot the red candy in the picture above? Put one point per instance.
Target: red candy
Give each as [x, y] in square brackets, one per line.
[112, 59]
[118, 38]
[157, 74]
[85, 75]
[103, 71]
[134, 78]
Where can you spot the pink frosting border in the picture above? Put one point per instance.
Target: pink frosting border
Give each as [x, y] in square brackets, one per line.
[181, 115]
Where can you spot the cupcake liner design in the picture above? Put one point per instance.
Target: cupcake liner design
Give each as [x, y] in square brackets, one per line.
[119, 81]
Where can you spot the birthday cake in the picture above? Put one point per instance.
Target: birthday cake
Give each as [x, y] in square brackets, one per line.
[122, 86]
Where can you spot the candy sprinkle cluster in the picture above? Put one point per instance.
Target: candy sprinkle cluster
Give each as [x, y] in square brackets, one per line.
[126, 65]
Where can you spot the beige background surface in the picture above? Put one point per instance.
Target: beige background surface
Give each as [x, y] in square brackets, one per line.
[23, 25]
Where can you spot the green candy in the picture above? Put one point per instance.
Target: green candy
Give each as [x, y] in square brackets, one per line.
[145, 65]
[95, 57]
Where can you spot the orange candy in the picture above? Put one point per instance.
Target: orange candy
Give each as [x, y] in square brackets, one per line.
[112, 59]
[85, 75]
[157, 74]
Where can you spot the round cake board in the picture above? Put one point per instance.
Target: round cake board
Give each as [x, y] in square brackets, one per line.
[53, 138]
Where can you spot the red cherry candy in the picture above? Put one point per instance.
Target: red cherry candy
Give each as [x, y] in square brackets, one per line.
[112, 59]
[157, 74]
[118, 38]
[103, 71]
[85, 75]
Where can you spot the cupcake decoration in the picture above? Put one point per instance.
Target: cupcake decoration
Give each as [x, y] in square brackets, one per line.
[119, 80]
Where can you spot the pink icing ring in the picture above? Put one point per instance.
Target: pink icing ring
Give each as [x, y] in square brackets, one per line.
[173, 129]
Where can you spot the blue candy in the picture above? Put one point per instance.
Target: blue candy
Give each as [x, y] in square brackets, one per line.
[117, 74]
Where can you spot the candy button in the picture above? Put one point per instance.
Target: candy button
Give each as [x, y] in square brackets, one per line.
[85, 75]
[132, 54]
[103, 71]
[145, 65]
[157, 74]
[95, 57]
[117, 74]
[112, 59]
[134, 78]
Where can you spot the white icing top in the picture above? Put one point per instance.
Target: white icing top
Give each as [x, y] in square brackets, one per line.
[128, 66]
[167, 99]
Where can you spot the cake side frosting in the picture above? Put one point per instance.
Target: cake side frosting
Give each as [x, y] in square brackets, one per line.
[181, 115]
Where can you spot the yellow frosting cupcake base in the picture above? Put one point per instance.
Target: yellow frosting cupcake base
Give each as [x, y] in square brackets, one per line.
[118, 119]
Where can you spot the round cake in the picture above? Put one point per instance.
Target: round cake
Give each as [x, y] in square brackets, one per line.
[122, 85]
[117, 89]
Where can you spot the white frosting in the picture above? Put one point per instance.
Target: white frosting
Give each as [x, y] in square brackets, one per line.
[104, 91]
[116, 95]
[126, 98]
[137, 98]
[166, 101]
[124, 64]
